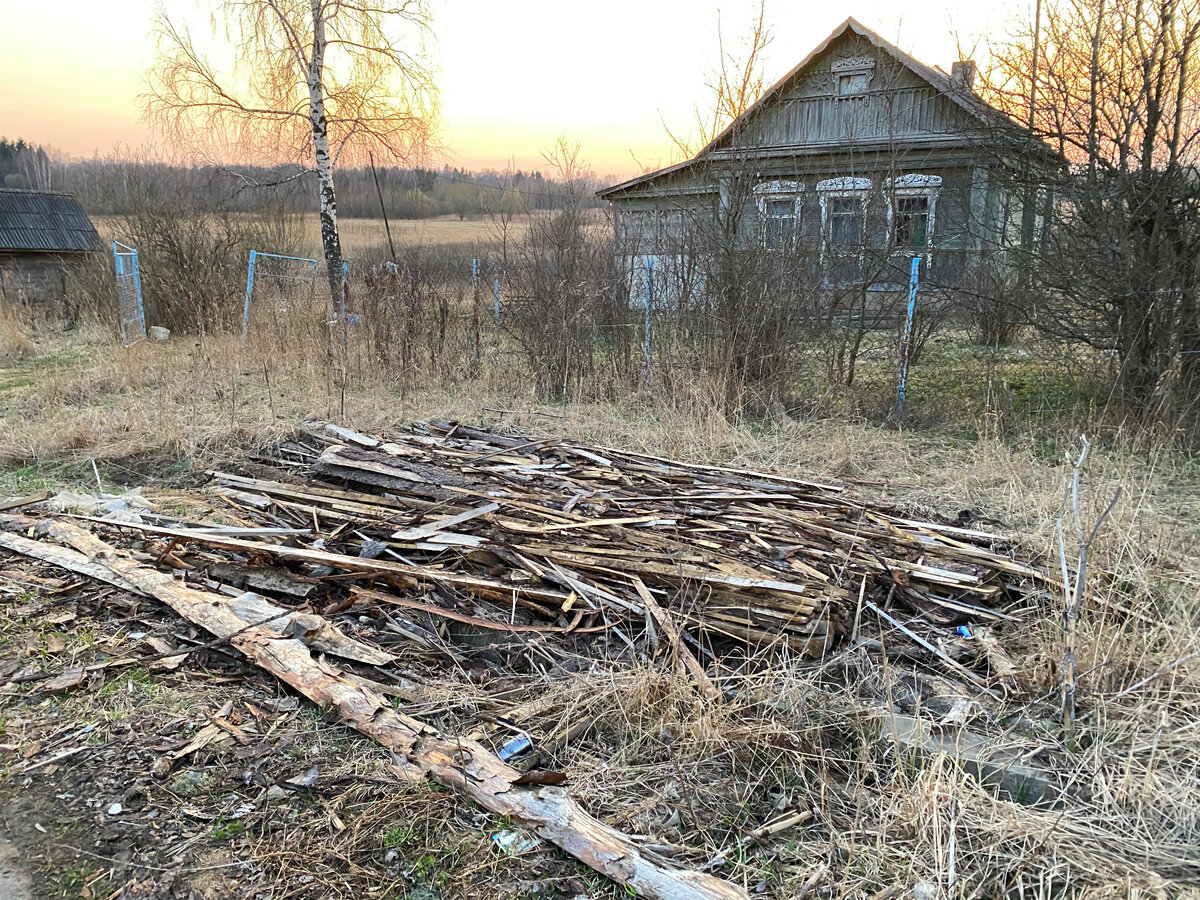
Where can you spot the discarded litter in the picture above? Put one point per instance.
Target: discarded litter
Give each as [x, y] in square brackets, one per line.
[118, 507]
[514, 843]
[515, 747]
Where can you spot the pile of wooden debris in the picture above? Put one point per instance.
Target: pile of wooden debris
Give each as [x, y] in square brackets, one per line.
[444, 539]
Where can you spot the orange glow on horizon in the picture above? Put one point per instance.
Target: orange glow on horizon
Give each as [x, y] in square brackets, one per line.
[514, 76]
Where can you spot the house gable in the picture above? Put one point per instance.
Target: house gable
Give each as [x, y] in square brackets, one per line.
[853, 93]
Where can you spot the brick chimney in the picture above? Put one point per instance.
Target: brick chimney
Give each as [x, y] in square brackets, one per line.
[962, 74]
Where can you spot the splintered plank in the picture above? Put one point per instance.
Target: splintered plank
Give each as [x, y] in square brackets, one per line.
[456, 762]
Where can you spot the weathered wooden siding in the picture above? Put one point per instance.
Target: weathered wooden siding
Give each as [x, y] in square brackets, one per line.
[895, 105]
[32, 277]
[902, 115]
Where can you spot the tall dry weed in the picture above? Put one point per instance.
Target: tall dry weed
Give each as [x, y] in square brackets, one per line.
[14, 341]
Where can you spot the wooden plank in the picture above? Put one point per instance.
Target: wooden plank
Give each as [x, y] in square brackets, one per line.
[469, 583]
[455, 762]
[422, 532]
[667, 625]
[29, 500]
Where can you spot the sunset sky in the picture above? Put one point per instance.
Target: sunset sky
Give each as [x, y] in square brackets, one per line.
[513, 75]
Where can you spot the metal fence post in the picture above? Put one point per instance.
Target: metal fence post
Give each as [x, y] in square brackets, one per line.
[249, 290]
[914, 280]
[137, 286]
[477, 338]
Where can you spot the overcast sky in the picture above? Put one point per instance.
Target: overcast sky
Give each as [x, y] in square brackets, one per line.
[514, 74]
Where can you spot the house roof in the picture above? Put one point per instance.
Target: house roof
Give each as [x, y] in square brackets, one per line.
[938, 79]
[44, 221]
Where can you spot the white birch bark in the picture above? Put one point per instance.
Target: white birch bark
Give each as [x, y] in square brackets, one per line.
[330, 240]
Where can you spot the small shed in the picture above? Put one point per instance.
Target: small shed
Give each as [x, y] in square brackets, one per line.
[42, 234]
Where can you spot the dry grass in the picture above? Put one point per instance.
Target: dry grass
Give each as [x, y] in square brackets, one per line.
[365, 235]
[689, 775]
[13, 339]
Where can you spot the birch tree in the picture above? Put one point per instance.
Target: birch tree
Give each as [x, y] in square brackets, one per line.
[312, 81]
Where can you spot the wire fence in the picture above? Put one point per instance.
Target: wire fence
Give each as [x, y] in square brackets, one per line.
[278, 288]
[579, 326]
[131, 316]
[420, 324]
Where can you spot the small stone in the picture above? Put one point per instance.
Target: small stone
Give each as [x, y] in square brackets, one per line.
[115, 809]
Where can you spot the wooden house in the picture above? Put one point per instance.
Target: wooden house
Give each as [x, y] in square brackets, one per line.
[42, 234]
[860, 159]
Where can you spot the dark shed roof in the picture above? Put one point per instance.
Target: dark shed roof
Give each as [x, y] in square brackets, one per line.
[44, 221]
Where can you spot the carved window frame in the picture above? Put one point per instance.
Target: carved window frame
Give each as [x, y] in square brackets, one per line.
[913, 185]
[845, 188]
[852, 71]
[770, 192]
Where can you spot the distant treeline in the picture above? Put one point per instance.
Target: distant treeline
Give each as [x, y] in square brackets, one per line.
[117, 186]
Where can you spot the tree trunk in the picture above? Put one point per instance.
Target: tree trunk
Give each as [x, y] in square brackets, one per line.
[330, 240]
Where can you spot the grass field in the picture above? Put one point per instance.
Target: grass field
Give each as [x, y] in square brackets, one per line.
[368, 235]
[886, 823]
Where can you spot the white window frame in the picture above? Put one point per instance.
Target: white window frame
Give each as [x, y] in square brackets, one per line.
[846, 188]
[851, 68]
[774, 191]
[914, 185]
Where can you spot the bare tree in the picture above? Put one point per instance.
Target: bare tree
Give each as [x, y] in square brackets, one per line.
[1116, 83]
[560, 301]
[312, 79]
[733, 86]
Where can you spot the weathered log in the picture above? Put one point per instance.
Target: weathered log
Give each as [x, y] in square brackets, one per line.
[457, 763]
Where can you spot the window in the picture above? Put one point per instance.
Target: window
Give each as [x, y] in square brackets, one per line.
[779, 224]
[853, 83]
[843, 226]
[912, 210]
[911, 223]
[853, 75]
[843, 204]
[845, 221]
[778, 213]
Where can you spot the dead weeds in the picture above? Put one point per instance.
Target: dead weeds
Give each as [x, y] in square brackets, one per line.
[691, 778]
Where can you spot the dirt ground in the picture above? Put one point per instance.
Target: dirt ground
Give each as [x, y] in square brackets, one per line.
[14, 878]
[120, 786]
[210, 780]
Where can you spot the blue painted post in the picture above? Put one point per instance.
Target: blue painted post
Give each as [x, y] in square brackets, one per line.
[249, 288]
[496, 295]
[646, 327]
[914, 280]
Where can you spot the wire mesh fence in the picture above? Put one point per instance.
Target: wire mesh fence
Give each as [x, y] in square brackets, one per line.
[607, 343]
[279, 290]
[131, 316]
[559, 324]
